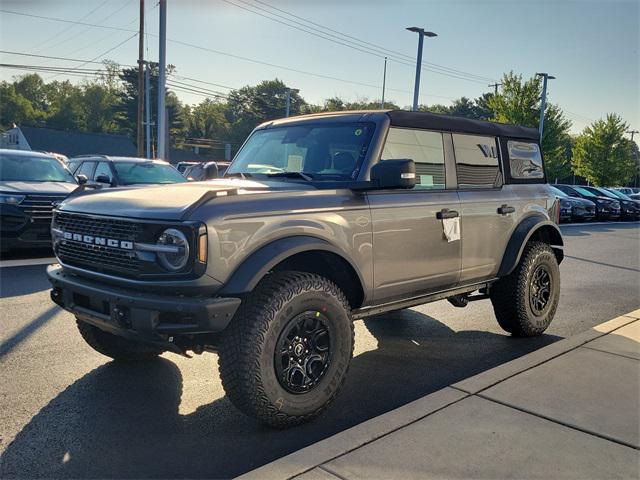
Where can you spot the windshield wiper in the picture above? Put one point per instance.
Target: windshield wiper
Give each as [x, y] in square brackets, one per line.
[304, 176]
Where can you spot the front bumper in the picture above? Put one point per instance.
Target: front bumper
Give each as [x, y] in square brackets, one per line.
[141, 316]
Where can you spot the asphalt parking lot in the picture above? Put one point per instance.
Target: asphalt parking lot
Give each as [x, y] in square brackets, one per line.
[68, 412]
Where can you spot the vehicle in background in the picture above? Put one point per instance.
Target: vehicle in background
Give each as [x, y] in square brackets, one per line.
[606, 207]
[628, 190]
[31, 183]
[123, 171]
[629, 208]
[183, 166]
[581, 210]
[206, 171]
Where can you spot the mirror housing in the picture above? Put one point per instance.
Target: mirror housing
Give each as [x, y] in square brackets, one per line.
[82, 179]
[400, 173]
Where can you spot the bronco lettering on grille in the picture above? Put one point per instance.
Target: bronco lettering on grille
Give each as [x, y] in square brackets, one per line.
[102, 241]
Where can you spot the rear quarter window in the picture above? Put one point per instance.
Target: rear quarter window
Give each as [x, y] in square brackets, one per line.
[525, 160]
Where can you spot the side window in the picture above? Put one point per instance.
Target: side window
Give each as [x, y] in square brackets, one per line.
[525, 160]
[477, 163]
[424, 148]
[103, 169]
[72, 166]
[86, 169]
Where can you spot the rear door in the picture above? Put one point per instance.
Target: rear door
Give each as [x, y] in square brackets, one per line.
[487, 211]
[411, 253]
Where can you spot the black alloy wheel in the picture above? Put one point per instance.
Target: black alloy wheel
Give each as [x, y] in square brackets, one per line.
[540, 290]
[303, 352]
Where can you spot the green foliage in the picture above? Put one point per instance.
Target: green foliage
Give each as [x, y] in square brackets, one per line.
[518, 102]
[603, 155]
[463, 107]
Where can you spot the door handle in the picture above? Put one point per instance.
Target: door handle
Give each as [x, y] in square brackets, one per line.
[446, 213]
[504, 209]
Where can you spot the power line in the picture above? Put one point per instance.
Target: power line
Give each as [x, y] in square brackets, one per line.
[56, 19]
[377, 51]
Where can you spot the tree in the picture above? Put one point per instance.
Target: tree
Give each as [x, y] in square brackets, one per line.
[207, 121]
[14, 108]
[603, 155]
[250, 106]
[518, 102]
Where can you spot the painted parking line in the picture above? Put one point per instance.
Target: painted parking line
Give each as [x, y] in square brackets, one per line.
[26, 262]
[588, 224]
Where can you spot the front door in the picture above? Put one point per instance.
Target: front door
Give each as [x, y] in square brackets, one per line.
[411, 254]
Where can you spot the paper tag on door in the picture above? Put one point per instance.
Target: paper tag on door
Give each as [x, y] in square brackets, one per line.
[451, 228]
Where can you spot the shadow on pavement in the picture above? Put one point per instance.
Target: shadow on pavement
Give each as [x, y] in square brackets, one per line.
[18, 281]
[586, 229]
[29, 329]
[123, 421]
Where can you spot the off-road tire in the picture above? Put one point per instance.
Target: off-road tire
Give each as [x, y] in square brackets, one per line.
[510, 295]
[247, 349]
[118, 348]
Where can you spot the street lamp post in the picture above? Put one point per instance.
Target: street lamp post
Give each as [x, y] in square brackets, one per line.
[288, 100]
[421, 34]
[543, 99]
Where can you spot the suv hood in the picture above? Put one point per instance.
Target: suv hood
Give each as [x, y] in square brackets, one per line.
[37, 187]
[165, 202]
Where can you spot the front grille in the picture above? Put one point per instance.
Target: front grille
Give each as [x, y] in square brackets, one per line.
[40, 207]
[98, 257]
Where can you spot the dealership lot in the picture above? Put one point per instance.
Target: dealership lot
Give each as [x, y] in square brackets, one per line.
[69, 412]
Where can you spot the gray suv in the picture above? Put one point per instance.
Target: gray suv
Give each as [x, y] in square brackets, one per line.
[320, 220]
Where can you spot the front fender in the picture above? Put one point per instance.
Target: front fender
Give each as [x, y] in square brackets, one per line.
[530, 226]
[245, 278]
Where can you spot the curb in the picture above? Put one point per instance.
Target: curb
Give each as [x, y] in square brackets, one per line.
[344, 442]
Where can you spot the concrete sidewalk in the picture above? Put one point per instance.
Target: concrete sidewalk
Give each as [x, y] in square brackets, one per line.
[569, 410]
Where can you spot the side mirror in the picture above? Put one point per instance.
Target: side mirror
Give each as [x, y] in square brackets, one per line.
[399, 173]
[103, 179]
[82, 179]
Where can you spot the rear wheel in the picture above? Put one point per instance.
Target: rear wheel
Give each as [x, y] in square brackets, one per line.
[526, 300]
[116, 347]
[286, 353]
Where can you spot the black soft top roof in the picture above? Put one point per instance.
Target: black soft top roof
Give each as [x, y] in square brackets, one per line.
[434, 121]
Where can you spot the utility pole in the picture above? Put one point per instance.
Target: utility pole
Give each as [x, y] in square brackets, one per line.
[384, 82]
[633, 132]
[543, 99]
[495, 86]
[147, 107]
[140, 132]
[416, 88]
[288, 100]
[162, 65]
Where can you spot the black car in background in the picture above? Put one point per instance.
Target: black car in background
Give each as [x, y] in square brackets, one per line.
[31, 184]
[206, 171]
[606, 208]
[629, 209]
[581, 210]
[108, 171]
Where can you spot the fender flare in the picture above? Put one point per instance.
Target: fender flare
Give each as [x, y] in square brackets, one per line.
[522, 234]
[245, 278]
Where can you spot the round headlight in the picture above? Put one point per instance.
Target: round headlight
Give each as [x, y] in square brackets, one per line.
[176, 255]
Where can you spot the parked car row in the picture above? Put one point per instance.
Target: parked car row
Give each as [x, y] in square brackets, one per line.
[585, 203]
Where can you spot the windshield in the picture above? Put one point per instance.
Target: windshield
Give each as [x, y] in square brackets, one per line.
[606, 193]
[619, 194]
[558, 192]
[33, 169]
[584, 192]
[147, 172]
[318, 152]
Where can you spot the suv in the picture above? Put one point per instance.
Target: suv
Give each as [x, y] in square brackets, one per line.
[606, 208]
[107, 171]
[320, 220]
[30, 185]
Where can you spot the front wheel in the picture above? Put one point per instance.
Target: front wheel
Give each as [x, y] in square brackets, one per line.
[286, 353]
[525, 301]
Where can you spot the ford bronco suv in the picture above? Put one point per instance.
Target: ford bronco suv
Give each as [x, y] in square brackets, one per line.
[319, 220]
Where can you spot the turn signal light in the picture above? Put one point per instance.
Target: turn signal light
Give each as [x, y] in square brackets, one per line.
[202, 248]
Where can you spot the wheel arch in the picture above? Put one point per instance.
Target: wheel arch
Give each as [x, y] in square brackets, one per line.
[532, 228]
[298, 253]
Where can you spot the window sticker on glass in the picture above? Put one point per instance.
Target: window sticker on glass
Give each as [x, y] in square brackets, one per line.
[426, 180]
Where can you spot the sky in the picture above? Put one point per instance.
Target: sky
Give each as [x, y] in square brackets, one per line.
[591, 47]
